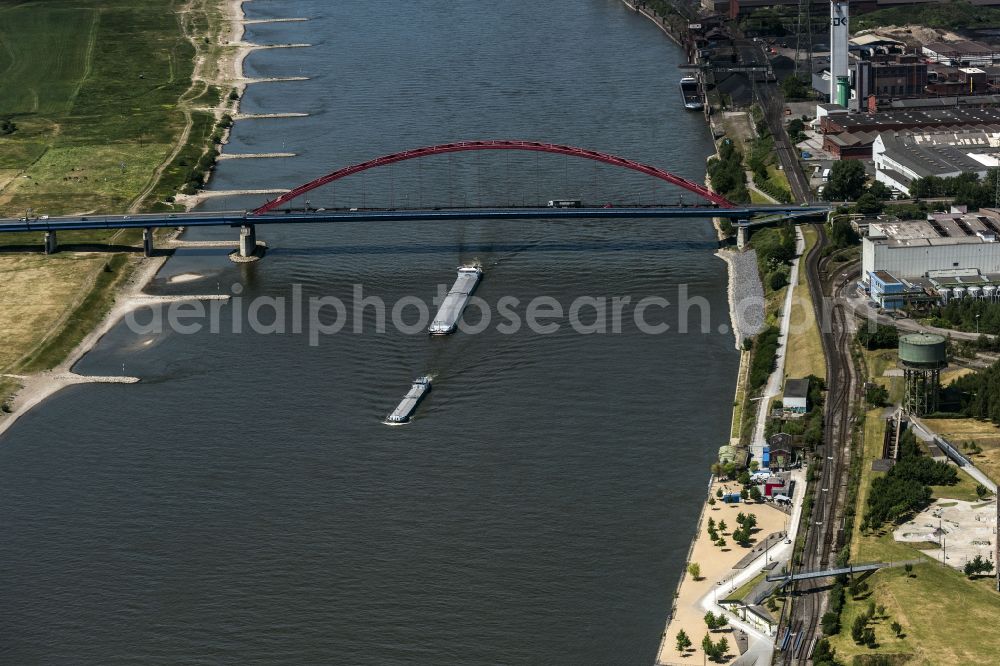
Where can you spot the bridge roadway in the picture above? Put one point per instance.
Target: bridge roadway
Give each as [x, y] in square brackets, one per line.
[242, 218]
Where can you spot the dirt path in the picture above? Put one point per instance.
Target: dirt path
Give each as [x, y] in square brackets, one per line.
[228, 72]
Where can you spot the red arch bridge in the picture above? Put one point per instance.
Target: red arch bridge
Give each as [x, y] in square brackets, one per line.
[272, 212]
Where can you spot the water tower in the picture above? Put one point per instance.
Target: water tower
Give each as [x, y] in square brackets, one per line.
[923, 356]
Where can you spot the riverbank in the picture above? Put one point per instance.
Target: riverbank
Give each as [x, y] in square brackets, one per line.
[60, 330]
[721, 569]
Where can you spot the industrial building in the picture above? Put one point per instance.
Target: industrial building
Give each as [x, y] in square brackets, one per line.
[903, 157]
[853, 135]
[961, 53]
[902, 119]
[949, 255]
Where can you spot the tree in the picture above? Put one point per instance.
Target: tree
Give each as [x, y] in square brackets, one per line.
[721, 648]
[847, 181]
[744, 494]
[711, 621]
[718, 493]
[722, 526]
[978, 565]
[831, 623]
[879, 337]
[683, 642]
[908, 568]
[870, 611]
[707, 645]
[824, 655]
[897, 628]
[880, 191]
[842, 234]
[755, 494]
[868, 637]
[858, 629]
[982, 491]
[695, 570]
[868, 204]
[796, 130]
[794, 88]
[881, 610]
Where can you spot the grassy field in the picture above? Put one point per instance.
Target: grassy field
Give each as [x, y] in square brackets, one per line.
[107, 117]
[983, 433]
[93, 87]
[936, 604]
[37, 295]
[805, 349]
[47, 49]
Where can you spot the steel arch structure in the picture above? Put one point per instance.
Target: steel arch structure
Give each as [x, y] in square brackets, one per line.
[498, 144]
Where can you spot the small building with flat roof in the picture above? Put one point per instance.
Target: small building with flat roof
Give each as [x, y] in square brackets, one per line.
[796, 398]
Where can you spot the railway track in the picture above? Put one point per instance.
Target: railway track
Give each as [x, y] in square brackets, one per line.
[824, 533]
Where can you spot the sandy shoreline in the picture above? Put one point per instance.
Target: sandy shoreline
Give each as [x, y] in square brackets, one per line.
[38, 387]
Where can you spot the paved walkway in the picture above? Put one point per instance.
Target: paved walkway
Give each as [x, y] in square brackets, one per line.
[774, 382]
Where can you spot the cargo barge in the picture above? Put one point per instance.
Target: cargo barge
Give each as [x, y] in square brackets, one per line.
[691, 93]
[450, 312]
[420, 388]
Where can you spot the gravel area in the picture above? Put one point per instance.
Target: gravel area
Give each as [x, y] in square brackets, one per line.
[746, 294]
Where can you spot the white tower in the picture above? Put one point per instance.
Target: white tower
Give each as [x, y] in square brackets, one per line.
[840, 33]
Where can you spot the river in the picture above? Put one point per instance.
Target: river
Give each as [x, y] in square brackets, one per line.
[245, 504]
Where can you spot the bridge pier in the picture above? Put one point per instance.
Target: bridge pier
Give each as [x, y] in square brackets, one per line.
[51, 244]
[248, 240]
[741, 234]
[147, 242]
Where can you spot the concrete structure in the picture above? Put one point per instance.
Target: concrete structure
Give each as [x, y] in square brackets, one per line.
[902, 157]
[51, 244]
[946, 243]
[840, 34]
[248, 240]
[147, 242]
[923, 356]
[796, 397]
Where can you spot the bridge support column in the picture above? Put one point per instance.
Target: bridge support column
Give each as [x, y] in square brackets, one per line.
[248, 240]
[741, 234]
[147, 242]
[51, 245]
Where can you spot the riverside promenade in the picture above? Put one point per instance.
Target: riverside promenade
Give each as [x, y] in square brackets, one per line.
[719, 577]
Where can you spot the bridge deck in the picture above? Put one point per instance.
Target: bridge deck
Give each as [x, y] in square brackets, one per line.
[238, 218]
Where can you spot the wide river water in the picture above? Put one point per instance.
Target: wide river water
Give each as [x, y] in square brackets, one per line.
[245, 504]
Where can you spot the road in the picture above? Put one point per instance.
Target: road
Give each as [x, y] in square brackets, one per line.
[239, 218]
[824, 535]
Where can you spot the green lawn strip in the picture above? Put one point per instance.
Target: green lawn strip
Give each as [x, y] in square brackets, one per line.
[964, 490]
[743, 590]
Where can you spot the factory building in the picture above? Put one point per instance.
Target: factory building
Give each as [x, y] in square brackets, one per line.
[961, 53]
[949, 255]
[903, 157]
